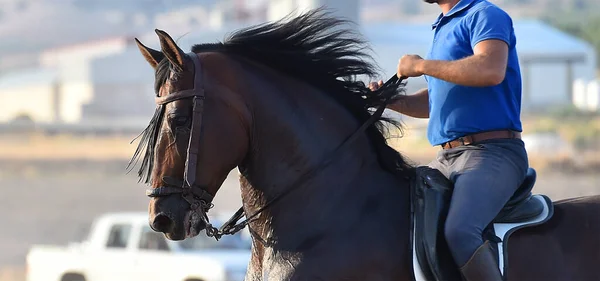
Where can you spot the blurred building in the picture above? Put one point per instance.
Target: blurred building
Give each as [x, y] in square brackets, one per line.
[123, 90]
[551, 62]
[72, 64]
[108, 81]
[91, 82]
[30, 94]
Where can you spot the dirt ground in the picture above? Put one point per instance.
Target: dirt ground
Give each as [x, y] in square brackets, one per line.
[52, 189]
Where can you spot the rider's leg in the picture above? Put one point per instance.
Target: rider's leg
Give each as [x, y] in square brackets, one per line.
[485, 176]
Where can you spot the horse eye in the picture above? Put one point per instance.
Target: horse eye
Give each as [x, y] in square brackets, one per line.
[179, 121]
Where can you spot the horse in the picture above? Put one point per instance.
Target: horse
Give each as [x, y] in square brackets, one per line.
[324, 195]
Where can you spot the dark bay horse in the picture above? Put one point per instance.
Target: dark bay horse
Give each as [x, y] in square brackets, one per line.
[276, 101]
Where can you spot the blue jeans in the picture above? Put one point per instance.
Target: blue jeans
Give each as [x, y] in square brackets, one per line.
[485, 176]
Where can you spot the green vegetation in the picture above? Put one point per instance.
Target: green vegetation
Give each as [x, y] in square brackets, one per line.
[580, 128]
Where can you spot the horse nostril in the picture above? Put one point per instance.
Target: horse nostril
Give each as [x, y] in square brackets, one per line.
[162, 223]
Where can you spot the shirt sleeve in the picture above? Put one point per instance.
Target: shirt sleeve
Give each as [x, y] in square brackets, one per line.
[490, 23]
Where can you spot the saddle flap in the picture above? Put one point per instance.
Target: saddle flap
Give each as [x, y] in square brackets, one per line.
[431, 200]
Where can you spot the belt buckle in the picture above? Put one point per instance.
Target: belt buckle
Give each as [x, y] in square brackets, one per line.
[449, 144]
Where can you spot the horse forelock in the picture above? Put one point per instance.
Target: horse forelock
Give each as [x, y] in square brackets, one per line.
[145, 150]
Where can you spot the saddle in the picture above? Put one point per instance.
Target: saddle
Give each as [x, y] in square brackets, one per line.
[431, 192]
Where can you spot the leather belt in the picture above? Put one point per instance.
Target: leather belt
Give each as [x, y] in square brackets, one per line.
[474, 138]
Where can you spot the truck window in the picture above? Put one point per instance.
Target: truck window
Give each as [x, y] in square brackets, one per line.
[151, 240]
[118, 236]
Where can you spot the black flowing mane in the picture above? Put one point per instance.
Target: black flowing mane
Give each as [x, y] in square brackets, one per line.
[313, 48]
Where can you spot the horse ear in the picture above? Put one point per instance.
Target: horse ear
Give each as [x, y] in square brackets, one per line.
[173, 53]
[152, 56]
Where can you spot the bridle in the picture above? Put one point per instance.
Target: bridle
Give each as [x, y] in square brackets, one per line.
[199, 199]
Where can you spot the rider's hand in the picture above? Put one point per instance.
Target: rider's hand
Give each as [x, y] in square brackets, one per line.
[409, 66]
[375, 85]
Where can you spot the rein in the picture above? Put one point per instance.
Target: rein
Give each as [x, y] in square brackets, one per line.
[199, 199]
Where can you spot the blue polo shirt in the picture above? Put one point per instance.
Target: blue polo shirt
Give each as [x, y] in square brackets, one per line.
[455, 110]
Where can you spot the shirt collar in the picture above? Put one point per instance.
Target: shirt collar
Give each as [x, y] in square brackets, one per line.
[460, 6]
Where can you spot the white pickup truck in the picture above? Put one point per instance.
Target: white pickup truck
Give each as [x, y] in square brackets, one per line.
[122, 247]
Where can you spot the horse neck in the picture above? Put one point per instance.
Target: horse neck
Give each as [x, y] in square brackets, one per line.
[295, 127]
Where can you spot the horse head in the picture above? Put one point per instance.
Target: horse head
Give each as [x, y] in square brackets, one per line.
[199, 133]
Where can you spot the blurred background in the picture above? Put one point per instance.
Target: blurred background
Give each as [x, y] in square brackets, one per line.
[74, 93]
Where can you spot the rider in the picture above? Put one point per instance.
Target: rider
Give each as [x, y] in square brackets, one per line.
[473, 102]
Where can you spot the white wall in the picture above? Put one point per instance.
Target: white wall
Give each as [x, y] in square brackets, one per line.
[593, 96]
[73, 95]
[123, 87]
[586, 95]
[32, 93]
[546, 84]
[35, 93]
[125, 66]
[75, 88]
[73, 66]
[35, 101]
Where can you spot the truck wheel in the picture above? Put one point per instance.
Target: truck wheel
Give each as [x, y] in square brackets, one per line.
[72, 277]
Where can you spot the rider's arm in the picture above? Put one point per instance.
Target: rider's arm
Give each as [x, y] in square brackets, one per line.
[490, 34]
[415, 105]
[486, 67]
